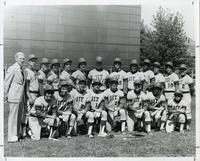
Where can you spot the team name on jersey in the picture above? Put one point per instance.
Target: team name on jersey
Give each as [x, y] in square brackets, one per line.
[79, 99]
[131, 78]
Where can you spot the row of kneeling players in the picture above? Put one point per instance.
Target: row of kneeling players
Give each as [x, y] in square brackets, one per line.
[95, 111]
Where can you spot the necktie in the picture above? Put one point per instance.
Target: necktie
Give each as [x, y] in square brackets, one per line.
[22, 73]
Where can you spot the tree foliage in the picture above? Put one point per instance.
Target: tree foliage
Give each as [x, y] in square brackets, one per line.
[166, 40]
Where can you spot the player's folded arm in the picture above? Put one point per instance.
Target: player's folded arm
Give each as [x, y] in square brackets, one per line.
[39, 113]
[182, 110]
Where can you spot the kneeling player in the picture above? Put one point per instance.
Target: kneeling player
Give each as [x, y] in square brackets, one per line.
[95, 103]
[177, 108]
[65, 107]
[137, 104]
[157, 106]
[43, 114]
[115, 105]
[78, 95]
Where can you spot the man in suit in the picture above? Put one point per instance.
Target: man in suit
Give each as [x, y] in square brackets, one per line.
[14, 89]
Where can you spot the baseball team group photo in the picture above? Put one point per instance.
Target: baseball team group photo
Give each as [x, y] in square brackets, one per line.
[99, 81]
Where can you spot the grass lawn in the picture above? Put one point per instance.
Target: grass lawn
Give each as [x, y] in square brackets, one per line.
[157, 145]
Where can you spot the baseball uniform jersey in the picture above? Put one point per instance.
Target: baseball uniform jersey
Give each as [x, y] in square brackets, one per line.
[42, 105]
[32, 77]
[78, 75]
[42, 76]
[156, 100]
[113, 97]
[79, 99]
[159, 78]
[148, 75]
[120, 76]
[94, 98]
[132, 77]
[55, 78]
[100, 75]
[136, 99]
[177, 106]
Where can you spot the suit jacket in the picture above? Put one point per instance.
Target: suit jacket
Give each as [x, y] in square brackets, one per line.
[14, 83]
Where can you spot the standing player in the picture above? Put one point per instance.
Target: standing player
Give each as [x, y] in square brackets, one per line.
[114, 105]
[32, 86]
[132, 76]
[78, 95]
[81, 72]
[137, 105]
[187, 88]
[95, 104]
[118, 73]
[159, 78]
[54, 73]
[65, 107]
[148, 75]
[99, 73]
[43, 113]
[157, 106]
[176, 109]
[171, 81]
[66, 73]
[42, 74]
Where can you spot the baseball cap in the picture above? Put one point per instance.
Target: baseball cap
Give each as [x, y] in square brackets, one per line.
[96, 81]
[48, 87]
[99, 59]
[134, 61]
[44, 61]
[157, 85]
[32, 56]
[81, 60]
[147, 61]
[170, 64]
[63, 83]
[67, 60]
[178, 92]
[55, 61]
[82, 79]
[117, 60]
[156, 64]
[183, 66]
[114, 80]
[137, 82]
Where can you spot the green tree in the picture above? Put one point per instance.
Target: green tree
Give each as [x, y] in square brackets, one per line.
[166, 40]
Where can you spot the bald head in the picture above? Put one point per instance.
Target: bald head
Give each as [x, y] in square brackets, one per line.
[19, 58]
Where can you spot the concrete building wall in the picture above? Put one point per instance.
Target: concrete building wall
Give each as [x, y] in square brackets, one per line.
[73, 32]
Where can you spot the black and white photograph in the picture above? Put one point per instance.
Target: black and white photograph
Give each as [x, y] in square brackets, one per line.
[99, 80]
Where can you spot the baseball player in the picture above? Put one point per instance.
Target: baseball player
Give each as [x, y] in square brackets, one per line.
[115, 105]
[177, 109]
[99, 73]
[54, 73]
[32, 86]
[148, 75]
[137, 104]
[42, 75]
[43, 113]
[157, 106]
[171, 81]
[95, 103]
[81, 71]
[66, 73]
[159, 78]
[187, 88]
[132, 76]
[118, 73]
[65, 107]
[78, 95]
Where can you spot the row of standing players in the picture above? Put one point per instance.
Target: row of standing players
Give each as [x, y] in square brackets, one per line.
[134, 96]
